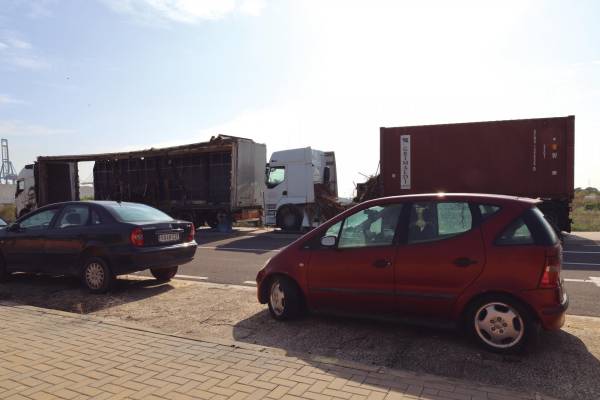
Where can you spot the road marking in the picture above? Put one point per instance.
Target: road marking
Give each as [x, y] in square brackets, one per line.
[199, 278]
[574, 263]
[593, 279]
[234, 248]
[581, 252]
[249, 283]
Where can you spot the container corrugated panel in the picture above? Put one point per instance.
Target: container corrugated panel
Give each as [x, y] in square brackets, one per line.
[531, 157]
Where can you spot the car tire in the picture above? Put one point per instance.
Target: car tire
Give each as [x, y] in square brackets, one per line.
[96, 275]
[164, 274]
[284, 299]
[4, 274]
[501, 324]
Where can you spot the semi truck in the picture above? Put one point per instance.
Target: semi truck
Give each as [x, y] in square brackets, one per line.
[301, 188]
[210, 182]
[527, 157]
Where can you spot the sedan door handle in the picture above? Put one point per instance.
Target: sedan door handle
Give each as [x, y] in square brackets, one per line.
[381, 263]
[464, 262]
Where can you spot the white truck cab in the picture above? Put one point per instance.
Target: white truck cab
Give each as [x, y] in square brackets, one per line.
[25, 199]
[298, 181]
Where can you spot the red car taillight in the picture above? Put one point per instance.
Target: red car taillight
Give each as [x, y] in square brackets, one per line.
[192, 234]
[137, 237]
[551, 275]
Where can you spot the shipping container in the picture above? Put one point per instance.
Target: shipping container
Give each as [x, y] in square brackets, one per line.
[210, 182]
[528, 157]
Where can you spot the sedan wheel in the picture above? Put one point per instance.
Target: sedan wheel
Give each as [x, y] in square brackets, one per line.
[284, 299]
[501, 325]
[97, 277]
[4, 274]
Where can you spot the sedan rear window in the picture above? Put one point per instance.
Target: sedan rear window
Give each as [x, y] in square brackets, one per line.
[530, 228]
[516, 233]
[131, 212]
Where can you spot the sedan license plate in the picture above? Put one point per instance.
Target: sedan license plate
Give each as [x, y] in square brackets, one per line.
[168, 237]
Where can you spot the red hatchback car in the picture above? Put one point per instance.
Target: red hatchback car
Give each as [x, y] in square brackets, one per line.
[488, 263]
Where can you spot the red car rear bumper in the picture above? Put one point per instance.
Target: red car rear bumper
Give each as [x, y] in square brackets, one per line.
[550, 305]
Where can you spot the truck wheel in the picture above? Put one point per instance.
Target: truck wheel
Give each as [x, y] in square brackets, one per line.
[289, 218]
[96, 275]
[211, 220]
[164, 274]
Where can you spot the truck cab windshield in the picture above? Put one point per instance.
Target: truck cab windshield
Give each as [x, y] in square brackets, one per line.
[275, 175]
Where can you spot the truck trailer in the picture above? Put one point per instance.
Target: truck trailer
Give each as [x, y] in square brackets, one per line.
[210, 182]
[527, 157]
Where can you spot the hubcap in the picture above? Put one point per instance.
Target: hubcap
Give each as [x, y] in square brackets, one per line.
[499, 325]
[94, 275]
[277, 299]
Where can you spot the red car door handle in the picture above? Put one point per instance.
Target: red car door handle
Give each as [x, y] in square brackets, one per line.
[381, 263]
[464, 262]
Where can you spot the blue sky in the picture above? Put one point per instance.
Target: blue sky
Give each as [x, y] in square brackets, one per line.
[94, 76]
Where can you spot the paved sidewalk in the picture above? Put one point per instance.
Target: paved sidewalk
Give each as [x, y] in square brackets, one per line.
[46, 354]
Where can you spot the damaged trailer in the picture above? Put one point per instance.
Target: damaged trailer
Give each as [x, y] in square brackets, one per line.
[213, 182]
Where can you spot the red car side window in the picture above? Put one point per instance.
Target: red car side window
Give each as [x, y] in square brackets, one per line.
[431, 221]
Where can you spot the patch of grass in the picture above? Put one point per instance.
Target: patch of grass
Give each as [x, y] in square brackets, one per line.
[586, 210]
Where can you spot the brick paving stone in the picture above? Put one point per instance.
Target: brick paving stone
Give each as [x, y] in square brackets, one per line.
[47, 355]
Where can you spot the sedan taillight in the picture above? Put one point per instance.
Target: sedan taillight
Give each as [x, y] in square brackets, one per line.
[551, 276]
[137, 237]
[192, 234]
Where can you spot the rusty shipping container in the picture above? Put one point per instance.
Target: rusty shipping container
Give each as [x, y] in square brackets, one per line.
[528, 157]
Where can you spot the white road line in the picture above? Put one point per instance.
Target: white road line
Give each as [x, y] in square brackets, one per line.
[249, 283]
[199, 278]
[575, 263]
[581, 252]
[235, 248]
[593, 279]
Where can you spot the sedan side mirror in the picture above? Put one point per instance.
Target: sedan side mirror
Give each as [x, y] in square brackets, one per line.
[328, 241]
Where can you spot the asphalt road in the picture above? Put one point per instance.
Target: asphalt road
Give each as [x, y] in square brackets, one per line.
[236, 258]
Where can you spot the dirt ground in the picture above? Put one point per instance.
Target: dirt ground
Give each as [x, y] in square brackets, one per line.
[564, 364]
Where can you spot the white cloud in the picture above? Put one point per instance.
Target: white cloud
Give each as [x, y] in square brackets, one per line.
[17, 52]
[6, 99]
[18, 43]
[186, 11]
[252, 7]
[28, 62]
[22, 128]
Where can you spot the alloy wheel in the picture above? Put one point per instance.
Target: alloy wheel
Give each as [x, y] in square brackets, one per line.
[94, 275]
[499, 325]
[277, 298]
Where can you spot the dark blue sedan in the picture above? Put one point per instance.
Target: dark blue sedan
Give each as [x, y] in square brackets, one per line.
[96, 241]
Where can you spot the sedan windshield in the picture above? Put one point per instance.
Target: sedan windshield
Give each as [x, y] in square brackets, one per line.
[132, 212]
